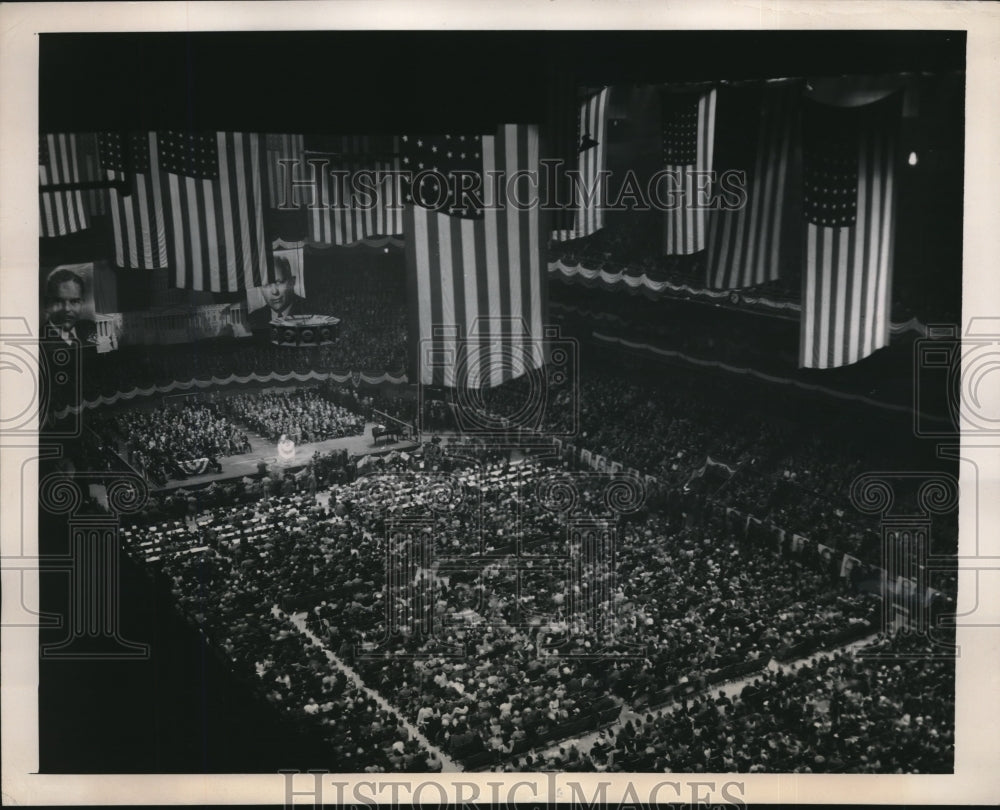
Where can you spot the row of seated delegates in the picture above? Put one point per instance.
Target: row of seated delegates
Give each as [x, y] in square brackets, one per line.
[888, 708]
[304, 415]
[361, 734]
[793, 625]
[356, 589]
[155, 439]
[322, 470]
[733, 606]
[228, 603]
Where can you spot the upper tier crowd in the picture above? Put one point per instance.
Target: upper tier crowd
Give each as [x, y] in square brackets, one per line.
[780, 465]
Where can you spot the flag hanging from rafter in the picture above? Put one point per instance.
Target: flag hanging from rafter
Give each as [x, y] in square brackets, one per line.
[849, 169]
[214, 192]
[359, 189]
[750, 233]
[289, 188]
[59, 162]
[589, 184]
[280, 150]
[90, 171]
[688, 140]
[477, 292]
[138, 222]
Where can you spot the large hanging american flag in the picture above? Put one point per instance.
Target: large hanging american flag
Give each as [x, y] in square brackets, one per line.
[590, 185]
[139, 226]
[359, 194]
[476, 286]
[285, 148]
[749, 243]
[214, 196]
[60, 161]
[688, 141]
[849, 173]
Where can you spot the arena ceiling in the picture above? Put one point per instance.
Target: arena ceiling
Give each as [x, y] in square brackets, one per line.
[387, 81]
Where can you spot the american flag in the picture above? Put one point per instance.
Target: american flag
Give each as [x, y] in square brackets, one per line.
[747, 245]
[688, 140]
[214, 193]
[477, 290]
[59, 161]
[365, 198]
[589, 188]
[849, 174]
[433, 163]
[90, 168]
[138, 222]
[283, 148]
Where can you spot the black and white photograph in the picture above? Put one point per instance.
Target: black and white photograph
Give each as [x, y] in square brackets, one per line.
[547, 413]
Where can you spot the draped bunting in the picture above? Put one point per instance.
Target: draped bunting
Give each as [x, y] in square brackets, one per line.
[645, 283]
[912, 325]
[195, 466]
[187, 385]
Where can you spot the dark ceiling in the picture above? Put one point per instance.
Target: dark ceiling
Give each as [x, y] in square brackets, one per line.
[368, 81]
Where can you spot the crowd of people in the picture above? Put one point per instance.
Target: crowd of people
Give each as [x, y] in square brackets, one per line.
[885, 708]
[211, 568]
[785, 471]
[491, 658]
[491, 653]
[155, 440]
[303, 415]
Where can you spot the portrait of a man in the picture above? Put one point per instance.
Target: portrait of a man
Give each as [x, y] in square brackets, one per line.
[280, 298]
[65, 298]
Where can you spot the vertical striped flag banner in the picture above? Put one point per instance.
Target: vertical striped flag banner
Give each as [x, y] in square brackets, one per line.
[96, 199]
[59, 161]
[688, 143]
[139, 225]
[289, 188]
[214, 192]
[364, 202]
[284, 148]
[359, 193]
[589, 186]
[749, 243]
[477, 293]
[849, 165]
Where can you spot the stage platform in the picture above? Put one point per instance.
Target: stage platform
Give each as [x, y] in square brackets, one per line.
[246, 464]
